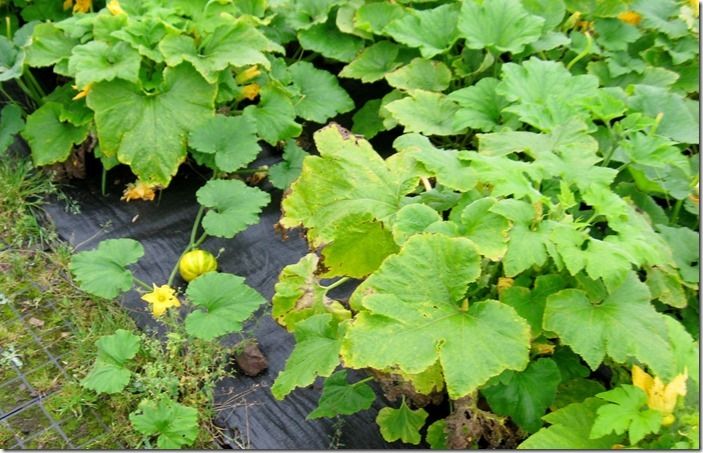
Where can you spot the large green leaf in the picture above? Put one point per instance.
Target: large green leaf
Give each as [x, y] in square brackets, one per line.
[49, 45]
[373, 17]
[426, 112]
[320, 97]
[413, 219]
[526, 395]
[175, 425]
[487, 230]
[433, 31]
[11, 60]
[479, 106]
[11, 123]
[375, 62]
[401, 424]
[274, 115]
[327, 40]
[233, 206]
[498, 25]
[680, 115]
[224, 302]
[316, 353]
[684, 244]
[234, 43]
[570, 429]
[148, 130]
[530, 303]
[109, 373]
[421, 74]
[339, 397]
[430, 320]
[50, 138]
[103, 272]
[97, 61]
[624, 325]
[143, 34]
[284, 173]
[232, 140]
[545, 94]
[306, 13]
[451, 168]
[359, 247]
[347, 178]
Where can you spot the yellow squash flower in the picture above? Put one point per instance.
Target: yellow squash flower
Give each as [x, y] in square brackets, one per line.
[161, 298]
[82, 6]
[251, 91]
[660, 397]
[83, 93]
[114, 7]
[67, 4]
[139, 190]
[630, 17]
[247, 75]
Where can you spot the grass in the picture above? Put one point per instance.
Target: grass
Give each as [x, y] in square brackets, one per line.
[39, 301]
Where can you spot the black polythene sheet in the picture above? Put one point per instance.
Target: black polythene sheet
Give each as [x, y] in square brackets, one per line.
[247, 411]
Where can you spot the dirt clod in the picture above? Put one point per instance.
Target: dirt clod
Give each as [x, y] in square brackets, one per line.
[250, 359]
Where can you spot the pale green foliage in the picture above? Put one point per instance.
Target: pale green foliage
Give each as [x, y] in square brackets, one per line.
[224, 302]
[595, 328]
[425, 322]
[174, 424]
[103, 272]
[625, 412]
[499, 25]
[50, 138]
[148, 131]
[316, 353]
[110, 373]
[10, 123]
[233, 206]
[571, 429]
[401, 424]
[339, 397]
[232, 141]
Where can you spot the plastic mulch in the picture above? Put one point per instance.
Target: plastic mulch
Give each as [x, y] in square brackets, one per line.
[245, 408]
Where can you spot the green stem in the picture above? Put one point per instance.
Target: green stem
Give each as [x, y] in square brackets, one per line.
[675, 214]
[196, 224]
[370, 378]
[583, 53]
[8, 28]
[5, 93]
[103, 182]
[192, 243]
[200, 240]
[142, 283]
[28, 91]
[35, 83]
[336, 284]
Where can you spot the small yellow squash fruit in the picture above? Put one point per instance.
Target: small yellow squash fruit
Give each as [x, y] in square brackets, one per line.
[196, 263]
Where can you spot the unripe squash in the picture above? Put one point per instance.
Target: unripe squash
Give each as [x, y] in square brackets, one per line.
[196, 263]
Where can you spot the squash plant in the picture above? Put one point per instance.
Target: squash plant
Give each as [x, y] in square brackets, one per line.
[219, 304]
[535, 229]
[156, 81]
